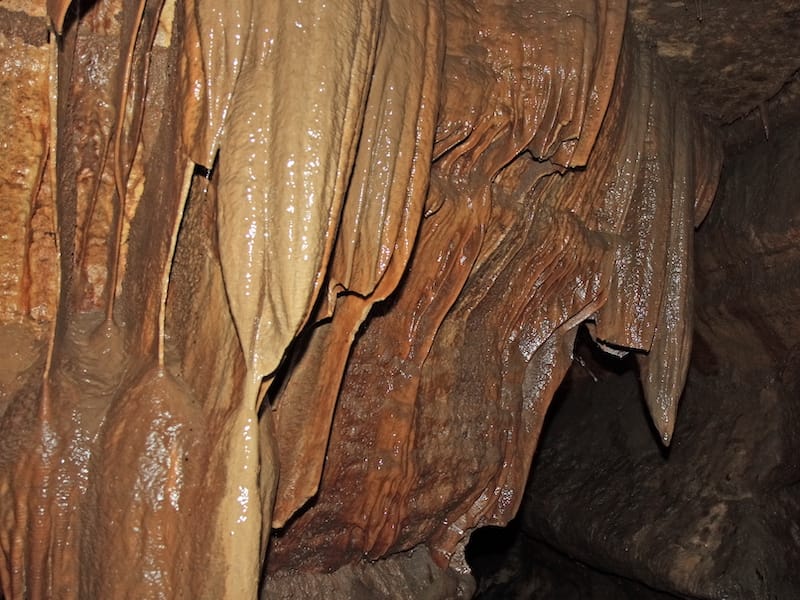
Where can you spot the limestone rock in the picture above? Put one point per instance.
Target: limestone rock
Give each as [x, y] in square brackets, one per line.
[319, 267]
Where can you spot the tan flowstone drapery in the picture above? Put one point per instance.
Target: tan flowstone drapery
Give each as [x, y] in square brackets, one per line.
[317, 268]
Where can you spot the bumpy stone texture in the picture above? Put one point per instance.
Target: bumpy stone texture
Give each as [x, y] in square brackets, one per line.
[731, 56]
[320, 268]
[410, 574]
[27, 268]
[716, 516]
[747, 257]
[508, 563]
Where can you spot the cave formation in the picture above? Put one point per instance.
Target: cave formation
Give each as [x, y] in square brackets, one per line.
[293, 295]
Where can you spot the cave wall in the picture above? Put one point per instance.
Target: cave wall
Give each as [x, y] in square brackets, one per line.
[332, 296]
[717, 515]
[747, 255]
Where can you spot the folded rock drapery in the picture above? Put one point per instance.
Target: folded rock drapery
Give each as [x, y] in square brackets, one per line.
[263, 260]
[458, 394]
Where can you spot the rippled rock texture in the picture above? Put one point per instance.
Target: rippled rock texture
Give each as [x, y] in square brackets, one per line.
[716, 515]
[295, 284]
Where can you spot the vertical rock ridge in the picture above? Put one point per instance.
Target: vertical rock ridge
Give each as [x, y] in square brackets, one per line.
[390, 219]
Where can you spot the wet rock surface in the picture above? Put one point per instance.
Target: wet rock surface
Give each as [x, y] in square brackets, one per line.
[276, 320]
[715, 515]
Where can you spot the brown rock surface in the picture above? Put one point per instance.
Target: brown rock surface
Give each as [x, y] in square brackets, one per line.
[716, 516]
[26, 257]
[318, 267]
[729, 56]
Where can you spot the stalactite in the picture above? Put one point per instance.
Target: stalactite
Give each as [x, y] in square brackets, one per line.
[349, 250]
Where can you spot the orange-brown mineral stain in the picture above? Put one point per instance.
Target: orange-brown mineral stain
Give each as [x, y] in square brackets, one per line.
[26, 256]
[378, 270]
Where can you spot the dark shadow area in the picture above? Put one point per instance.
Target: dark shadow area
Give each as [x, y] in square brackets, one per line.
[600, 366]
[76, 11]
[489, 547]
[507, 562]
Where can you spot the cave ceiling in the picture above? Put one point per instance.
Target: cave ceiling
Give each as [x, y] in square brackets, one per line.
[732, 58]
[223, 268]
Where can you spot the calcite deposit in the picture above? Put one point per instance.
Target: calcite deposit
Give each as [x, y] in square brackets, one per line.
[293, 283]
[717, 515]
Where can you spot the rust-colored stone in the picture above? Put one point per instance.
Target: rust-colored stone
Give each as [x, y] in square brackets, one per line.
[302, 265]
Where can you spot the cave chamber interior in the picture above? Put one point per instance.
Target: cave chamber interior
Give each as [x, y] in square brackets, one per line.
[390, 299]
